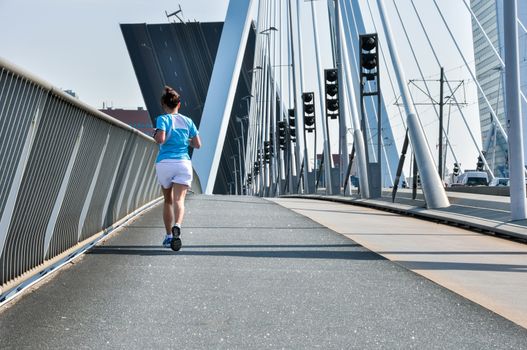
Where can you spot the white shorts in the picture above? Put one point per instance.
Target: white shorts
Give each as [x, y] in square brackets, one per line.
[178, 171]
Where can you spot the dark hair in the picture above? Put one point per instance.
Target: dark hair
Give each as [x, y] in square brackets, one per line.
[170, 97]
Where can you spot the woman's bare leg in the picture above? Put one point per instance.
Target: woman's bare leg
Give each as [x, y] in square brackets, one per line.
[180, 191]
[168, 212]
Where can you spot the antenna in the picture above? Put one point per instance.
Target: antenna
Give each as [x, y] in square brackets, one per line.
[175, 14]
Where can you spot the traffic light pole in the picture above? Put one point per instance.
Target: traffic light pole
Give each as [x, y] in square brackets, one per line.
[441, 104]
[324, 122]
[369, 72]
[293, 102]
[343, 120]
[345, 36]
[281, 154]
[303, 159]
[433, 190]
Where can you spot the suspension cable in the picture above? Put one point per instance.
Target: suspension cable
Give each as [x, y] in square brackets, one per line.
[504, 134]
[422, 77]
[425, 32]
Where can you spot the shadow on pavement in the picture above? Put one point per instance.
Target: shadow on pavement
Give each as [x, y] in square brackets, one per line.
[276, 252]
[432, 265]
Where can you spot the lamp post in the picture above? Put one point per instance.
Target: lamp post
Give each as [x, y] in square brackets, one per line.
[270, 177]
[240, 164]
[248, 97]
[234, 173]
[255, 133]
[240, 120]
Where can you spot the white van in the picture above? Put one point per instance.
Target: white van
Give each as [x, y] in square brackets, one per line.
[473, 178]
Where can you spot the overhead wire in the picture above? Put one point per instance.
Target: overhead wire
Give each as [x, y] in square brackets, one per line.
[425, 32]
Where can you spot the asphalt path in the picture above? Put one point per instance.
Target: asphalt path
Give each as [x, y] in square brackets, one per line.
[251, 275]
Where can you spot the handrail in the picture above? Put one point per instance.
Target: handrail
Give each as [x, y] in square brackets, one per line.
[56, 91]
[67, 172]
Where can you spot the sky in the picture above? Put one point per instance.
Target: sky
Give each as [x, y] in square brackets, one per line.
[78, 45]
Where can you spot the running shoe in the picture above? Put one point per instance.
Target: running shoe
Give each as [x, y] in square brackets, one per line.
[176, 231]
[175, 244]
[167, 241]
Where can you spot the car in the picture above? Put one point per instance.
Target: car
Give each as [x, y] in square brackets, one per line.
[473, 178]
[499, 181]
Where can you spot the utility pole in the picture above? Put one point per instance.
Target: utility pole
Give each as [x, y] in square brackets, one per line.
[441, 104]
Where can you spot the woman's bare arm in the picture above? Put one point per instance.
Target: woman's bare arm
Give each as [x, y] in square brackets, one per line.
[195, 142]
[160, 136]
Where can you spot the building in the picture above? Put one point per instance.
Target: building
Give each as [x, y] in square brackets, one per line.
[491, 77]
[136, 118]
[71, 93]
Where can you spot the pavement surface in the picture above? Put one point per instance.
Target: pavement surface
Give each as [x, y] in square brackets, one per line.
[481, 212]
[488, 270]
[251, 275]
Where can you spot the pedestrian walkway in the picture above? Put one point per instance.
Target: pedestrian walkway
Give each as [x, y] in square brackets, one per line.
[251, 275]
[476, 211]
[488, 270]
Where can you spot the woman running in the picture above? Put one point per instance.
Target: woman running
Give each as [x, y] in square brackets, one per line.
[174, 134]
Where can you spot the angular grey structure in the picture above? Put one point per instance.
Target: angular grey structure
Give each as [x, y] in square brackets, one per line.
[182, 55]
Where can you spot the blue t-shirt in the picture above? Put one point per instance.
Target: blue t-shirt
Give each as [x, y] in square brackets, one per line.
[179, 129]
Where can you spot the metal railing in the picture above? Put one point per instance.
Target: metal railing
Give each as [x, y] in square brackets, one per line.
[67, 172]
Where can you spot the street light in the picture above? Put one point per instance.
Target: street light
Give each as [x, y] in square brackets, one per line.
[240, 120]
[246, 99]
[254, 69]
[240, 163]
[270, 29]
[269, 145]
[233, 157]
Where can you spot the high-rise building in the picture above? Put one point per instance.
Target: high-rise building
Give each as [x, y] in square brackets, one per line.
[491, 77]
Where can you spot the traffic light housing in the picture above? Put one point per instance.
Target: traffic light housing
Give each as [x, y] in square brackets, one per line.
[456, 169]
[369, 56]
[268, 151]
[308, 101]
[292, 125]
[479, 164]
[282, 134]
[332, 93]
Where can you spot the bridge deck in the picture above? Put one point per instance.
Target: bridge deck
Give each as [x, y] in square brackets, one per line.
[251, 274]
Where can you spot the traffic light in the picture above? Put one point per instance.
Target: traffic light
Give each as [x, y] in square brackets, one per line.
[456, 169]
[479, 164]
[332, 93]
[308, 100]
[268, 151]
[292, 128]
[249, 178]
[282, 134]
[256, 168]
[369, 56]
